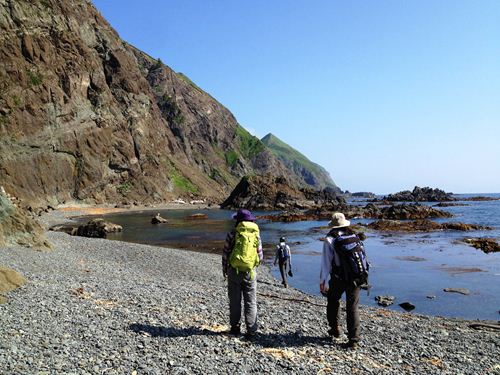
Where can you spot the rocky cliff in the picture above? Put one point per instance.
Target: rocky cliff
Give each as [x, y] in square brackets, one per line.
[309, 174]
[86, 116]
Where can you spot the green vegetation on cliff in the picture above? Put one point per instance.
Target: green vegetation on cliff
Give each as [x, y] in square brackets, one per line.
[313, 175]
[249, 144]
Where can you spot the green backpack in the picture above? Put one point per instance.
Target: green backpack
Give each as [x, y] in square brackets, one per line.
[244, 256]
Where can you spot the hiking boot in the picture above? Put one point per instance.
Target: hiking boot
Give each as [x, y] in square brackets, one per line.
[235, 331]
[335, 332]
[352, 345]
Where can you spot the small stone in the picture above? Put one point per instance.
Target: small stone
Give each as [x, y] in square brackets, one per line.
[463, 291]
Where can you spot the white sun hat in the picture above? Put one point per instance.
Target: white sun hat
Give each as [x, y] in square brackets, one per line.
[338, 221]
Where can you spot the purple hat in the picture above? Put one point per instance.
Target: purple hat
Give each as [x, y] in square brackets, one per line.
[243, 215]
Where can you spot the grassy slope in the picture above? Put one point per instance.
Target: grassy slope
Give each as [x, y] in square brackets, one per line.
[292, 158]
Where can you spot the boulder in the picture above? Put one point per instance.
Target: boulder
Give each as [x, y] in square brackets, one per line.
[18, 227]
[9, 280]
[487, 245]
[97, 228]
[407, 306]
[385, 300]
[157, 219]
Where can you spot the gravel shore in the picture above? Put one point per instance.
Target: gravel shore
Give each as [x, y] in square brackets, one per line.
[96, 306]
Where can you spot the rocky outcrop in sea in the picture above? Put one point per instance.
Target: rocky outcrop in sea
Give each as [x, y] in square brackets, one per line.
[418, 194]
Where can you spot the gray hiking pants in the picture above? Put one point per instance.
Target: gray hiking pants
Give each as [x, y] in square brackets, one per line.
[238, 285]
[283, 269]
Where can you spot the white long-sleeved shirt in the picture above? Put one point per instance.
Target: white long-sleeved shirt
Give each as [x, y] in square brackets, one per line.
[327, 257]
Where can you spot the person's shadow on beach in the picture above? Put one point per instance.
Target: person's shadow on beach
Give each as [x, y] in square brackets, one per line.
[277, 340]
[266, 340]
[161, 331]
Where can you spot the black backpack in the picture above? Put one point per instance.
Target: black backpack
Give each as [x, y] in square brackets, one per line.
[283, 252]
[354, 266]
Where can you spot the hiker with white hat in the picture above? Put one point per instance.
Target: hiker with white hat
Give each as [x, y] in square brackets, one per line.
[343, 269]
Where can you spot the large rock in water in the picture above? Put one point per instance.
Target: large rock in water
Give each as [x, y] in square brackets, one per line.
[408, 212]
[97, 228]
[17, 227]
[277, 193]
[425, 194]
[422, 226]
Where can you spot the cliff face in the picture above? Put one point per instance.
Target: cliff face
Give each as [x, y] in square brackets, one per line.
[309, 174]
[86, 116]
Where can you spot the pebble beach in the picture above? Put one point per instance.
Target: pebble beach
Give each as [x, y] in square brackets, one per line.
[94, 306]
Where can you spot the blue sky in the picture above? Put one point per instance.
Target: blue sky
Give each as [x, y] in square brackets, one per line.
[384, 94]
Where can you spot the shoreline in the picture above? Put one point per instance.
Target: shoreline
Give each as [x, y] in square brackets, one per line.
[62, 216]
[93, 305]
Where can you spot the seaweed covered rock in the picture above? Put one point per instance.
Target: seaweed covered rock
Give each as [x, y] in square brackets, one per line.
[487, 245]
[17, 227]
[418, 194]
[421, 226]
[409, 212]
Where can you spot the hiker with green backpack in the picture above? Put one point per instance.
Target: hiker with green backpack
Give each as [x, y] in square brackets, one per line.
[241, 255]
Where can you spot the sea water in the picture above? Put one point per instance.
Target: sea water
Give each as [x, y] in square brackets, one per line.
[413, 267]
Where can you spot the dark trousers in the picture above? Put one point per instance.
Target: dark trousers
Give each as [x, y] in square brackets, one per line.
[239, 285]
[283, 267]
[336, 289]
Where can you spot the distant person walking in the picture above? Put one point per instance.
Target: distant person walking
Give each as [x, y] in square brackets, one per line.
[242, 254]
[344, 268]
[284, 259]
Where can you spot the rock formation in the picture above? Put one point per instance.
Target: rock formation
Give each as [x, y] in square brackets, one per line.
[487, 245]
[157, 219]
[9, 280]
[97, 228]
[277, 193]
[17, 227]
[421, 226]
[86, 116]
[425, 194]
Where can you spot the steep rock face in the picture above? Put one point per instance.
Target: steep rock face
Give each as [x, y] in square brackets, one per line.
[309, 174]
[84, 115]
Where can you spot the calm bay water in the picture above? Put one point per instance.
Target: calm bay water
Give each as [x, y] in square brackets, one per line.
[410, 267]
